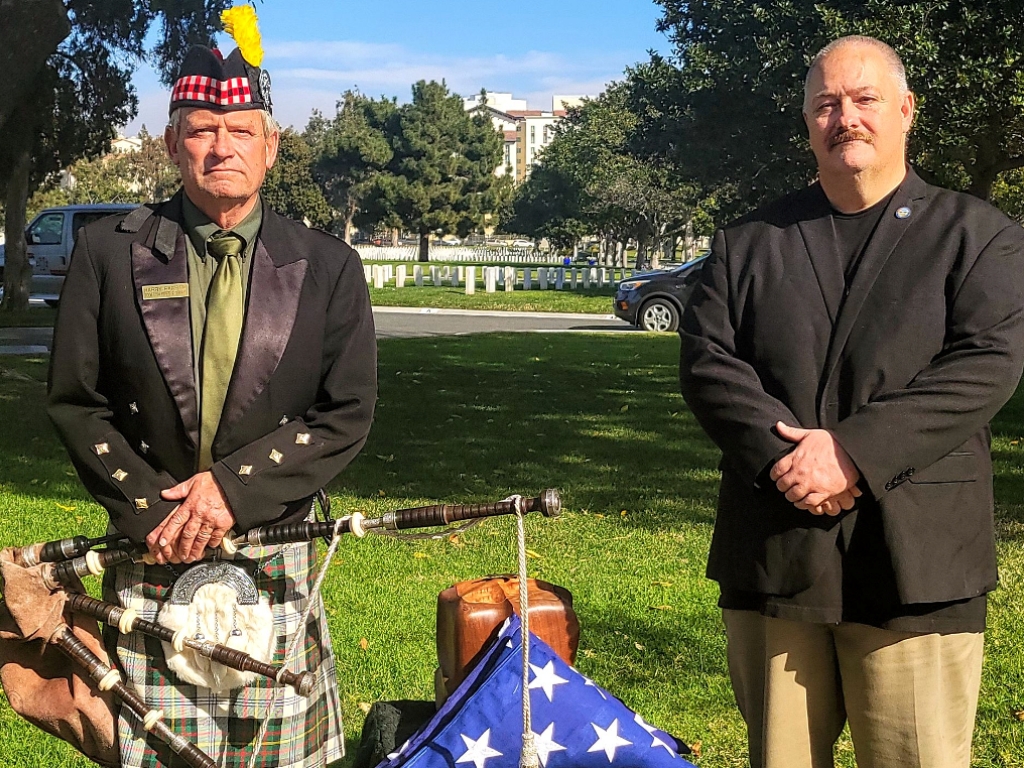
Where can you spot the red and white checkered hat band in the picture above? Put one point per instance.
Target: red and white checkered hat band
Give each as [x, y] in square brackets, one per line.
[222, 93]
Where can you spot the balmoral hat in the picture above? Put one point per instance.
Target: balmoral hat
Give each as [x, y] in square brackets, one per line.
[207, 79]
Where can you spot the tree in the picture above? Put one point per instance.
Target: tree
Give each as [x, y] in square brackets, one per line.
[351, 150]
[290, 188]
[591, 181]
[441, 174]
[79, 95]
[121, 177]
[728, 106]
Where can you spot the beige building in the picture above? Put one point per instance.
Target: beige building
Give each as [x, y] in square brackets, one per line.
[534, 131]
[526, 131]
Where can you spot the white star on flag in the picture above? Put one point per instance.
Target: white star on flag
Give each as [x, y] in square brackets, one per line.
[608, 740]
[546, 679]
[479, 751]
[657, 739]
[546, 744]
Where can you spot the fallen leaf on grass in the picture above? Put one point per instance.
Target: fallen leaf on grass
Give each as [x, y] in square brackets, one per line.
[1019, 714]
[364, 707]
[386, 459]
[531, 553]
[364, 643]
[638, 646]
[382, 493]
[623, 513]
[623, 409]
[695, 747]
[662, 583]
[66, 509]
[420, 555]
[661, 608]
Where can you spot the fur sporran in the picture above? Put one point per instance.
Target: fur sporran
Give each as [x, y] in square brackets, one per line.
[217, 603]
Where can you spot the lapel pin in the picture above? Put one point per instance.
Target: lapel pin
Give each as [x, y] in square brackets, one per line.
[903, 212]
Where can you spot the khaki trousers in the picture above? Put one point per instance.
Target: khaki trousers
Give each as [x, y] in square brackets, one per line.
[910, 698]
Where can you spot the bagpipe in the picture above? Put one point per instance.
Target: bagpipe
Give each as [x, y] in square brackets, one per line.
[44, 600]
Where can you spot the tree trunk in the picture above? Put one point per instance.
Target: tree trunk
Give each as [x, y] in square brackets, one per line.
[17, 271]
[981, 184]
[348, 229]
[424, 246]
[395, 233]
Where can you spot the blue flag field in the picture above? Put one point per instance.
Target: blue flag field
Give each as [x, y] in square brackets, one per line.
[575, 722]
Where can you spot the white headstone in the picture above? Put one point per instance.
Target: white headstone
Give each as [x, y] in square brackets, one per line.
[510, 279]
[602, 277]
[527, 278]
[490, 279]
[378, 276]
[574, 278]
[400, 276]
[586, 278]
[470, 280]
[560, 279]
[389, 272]
[435, 275]
[542, 278]
[455, 277]
[417, 275]
[368, 272]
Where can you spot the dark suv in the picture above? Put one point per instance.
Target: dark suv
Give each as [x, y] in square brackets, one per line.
[654, 301]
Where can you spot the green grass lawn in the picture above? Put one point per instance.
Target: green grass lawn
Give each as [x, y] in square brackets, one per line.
[35, 317]
[475, 418]
[594, 301]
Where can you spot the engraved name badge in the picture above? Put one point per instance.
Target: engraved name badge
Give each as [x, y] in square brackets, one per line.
[165, 291]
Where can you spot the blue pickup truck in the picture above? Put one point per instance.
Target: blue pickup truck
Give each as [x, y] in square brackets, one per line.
[51, 237]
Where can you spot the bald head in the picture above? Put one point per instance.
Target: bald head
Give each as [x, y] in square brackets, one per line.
[891, 58]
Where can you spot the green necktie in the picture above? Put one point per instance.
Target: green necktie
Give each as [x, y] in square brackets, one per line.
[225, 309]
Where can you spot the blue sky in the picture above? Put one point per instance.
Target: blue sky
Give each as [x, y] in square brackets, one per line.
[315, 49]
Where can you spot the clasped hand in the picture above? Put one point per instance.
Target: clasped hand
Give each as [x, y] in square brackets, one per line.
[818, 475]
[201, 520]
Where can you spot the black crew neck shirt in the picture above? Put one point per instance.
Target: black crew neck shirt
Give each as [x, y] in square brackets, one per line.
[853, 231]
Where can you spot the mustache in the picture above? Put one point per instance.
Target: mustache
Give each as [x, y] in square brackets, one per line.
[851, 134]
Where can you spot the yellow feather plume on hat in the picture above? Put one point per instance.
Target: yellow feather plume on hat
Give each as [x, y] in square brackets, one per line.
[240, 23]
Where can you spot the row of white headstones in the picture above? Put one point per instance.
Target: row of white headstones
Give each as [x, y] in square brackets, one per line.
[494, 278]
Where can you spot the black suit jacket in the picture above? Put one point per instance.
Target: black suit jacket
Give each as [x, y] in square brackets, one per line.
[122, 393]
[905, 366]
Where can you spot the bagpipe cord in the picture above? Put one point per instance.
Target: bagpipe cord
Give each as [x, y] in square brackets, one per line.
[300, 634]
[528, 757]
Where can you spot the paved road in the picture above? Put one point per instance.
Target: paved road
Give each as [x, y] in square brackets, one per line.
[401, 323]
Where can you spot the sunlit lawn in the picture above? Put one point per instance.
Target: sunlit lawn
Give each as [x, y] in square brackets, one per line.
[475, 418]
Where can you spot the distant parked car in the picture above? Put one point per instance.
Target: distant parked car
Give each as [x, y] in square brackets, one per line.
[654, 301]
[520, 243]
[450, 240]
[51, 238]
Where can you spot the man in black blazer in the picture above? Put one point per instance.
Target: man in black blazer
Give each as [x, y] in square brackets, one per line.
[846, 349]
[181, 446]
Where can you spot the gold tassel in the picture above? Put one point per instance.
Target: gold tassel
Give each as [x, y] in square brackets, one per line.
[240, 23]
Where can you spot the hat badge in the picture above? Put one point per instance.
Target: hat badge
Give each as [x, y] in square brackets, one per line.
[903, 212]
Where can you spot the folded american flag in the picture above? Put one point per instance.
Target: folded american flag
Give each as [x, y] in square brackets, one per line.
[575, 722]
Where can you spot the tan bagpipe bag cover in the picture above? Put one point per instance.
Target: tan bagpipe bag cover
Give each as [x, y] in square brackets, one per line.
[42, 684]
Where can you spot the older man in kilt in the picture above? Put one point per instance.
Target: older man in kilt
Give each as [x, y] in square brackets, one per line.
[214, 364]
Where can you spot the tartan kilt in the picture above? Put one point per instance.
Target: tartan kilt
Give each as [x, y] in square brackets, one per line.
[301, 732]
